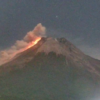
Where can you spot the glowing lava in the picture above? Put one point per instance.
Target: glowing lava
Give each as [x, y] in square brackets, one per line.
[29, 46]
[34, 42]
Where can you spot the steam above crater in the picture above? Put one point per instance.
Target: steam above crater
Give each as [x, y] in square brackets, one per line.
[30, 39]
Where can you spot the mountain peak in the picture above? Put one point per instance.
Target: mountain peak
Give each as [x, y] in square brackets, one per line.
[52, 45]
[53, 69]
[60, 46]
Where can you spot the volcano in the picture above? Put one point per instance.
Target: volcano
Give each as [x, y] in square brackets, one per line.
[53, 69]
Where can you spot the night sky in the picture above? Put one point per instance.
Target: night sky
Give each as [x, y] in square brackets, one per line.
[76, 20]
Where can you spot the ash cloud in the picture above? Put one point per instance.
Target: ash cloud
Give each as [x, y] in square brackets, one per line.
[38, 31]
[6, 55]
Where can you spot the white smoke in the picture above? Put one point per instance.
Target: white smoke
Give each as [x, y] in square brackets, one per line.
[38, 31]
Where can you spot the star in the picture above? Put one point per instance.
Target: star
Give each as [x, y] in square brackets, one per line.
[56, 16]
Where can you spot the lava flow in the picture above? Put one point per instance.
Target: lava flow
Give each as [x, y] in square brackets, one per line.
[33, 42]
[29, 46]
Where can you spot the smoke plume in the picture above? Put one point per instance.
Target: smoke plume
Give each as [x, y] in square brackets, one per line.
[6, 55]
[38, 31]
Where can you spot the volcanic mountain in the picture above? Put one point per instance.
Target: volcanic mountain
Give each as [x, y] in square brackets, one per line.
[53, 69]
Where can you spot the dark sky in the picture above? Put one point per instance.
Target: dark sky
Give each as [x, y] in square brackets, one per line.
[76, 20]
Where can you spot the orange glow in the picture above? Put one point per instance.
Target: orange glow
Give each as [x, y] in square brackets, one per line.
[29, 46]
[34, 42]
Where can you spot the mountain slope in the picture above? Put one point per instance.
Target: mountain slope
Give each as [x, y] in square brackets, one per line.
[53, 69]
